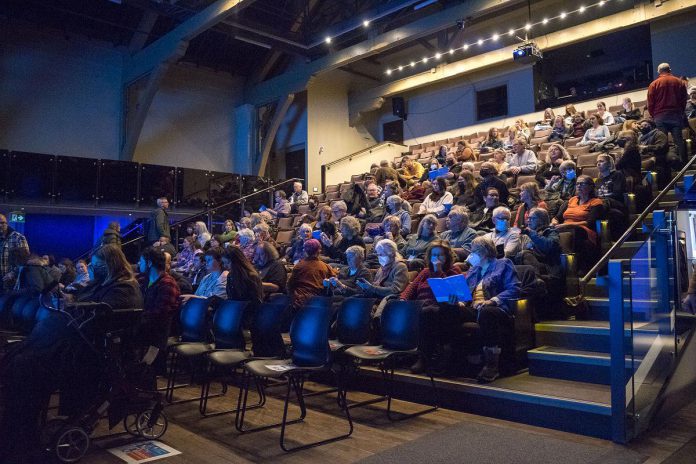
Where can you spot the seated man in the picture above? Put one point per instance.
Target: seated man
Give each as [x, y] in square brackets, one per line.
[282, 206]
[458, 233]
[505, 238]
[299, 196]
[482, 219]
[521, 161]
[489, 178]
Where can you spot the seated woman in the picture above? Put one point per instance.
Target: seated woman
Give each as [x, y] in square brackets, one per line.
[498, 160]
[550, 167]
[215, 282]
[579, 214]
[559, 130]
[295, 252]
[55, 357]
[270, 268]
[564, 183]
[596, 134]
[346, 283]
[439, 322]
[436, 202]
[350, 235]
[458, 234]
[530, 198]
[247, 242]
[607, 117]
[417, 244]
[630, 162]
[492, 141]
[464, 190]
[494, 286]
[323, 216]
[611, 183]
[307, 278]
[577, 126]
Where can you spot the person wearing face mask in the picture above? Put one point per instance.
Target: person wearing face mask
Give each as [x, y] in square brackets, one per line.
[463, 190]
[494, 286]
[436, 203]
[505, 238]
[653, 143]
[270, 268]
[549, 168]
[564, 184]
[160, 303]
[489, 180]
[438, 322]
[458, 233]
[482, 218]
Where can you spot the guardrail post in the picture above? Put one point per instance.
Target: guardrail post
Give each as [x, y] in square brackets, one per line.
[617, 345]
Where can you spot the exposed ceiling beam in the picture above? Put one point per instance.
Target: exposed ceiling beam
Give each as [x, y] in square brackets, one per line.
[295, 79]
[641, 13]
[163, 48]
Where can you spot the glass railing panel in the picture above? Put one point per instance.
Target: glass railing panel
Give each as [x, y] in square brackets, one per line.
[651, 305]
[30, 177]
[76, 180]
[156, 182]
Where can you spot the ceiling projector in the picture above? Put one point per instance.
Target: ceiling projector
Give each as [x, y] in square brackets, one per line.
[527, 53]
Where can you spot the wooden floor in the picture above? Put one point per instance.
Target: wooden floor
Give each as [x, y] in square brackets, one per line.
[214, 440]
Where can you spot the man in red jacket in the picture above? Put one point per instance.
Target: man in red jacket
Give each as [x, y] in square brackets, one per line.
[666, 103]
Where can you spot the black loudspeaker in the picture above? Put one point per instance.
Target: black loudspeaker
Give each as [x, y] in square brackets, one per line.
[399, 107]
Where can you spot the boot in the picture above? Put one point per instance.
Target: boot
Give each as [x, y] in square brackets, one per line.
[489, 373]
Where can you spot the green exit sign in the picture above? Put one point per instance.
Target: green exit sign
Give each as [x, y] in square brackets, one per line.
[17, 217]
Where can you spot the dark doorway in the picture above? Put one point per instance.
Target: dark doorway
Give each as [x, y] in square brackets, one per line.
[393, 131]
[295, 164]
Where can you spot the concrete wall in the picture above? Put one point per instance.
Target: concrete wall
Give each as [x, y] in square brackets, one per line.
[673, 42]
[329, 136]
[58, 96]
[191, 121]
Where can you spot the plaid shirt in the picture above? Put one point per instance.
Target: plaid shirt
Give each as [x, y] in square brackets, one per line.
[8, 244]
[162, 297]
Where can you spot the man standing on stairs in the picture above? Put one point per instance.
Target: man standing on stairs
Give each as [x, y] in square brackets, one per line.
[158, 227]
[666, 103]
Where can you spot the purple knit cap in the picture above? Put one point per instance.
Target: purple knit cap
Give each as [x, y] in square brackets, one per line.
[312, 247]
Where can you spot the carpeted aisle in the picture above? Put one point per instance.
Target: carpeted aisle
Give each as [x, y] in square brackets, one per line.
[484, 444]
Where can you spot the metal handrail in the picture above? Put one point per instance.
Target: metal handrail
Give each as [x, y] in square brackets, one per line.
[231, 202]
[651, 207]
[360, 152]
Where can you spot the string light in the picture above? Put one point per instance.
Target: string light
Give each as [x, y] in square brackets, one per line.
[496, 36]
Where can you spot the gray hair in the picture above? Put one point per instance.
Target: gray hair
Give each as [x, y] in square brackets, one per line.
[460, 211]
[395, 200]
[356, 250]
[352, 223]
[388, 247]
[502, 209]
[246, 233]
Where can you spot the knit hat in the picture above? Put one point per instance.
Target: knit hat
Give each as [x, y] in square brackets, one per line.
[312, 247]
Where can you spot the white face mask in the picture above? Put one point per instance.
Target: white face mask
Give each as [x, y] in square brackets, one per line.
[474, 259]
[383, 260]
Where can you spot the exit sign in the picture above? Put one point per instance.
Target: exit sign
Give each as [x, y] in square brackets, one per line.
[17, 217]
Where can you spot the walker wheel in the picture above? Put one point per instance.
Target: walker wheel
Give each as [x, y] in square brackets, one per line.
[71, 444]
[130, 423]
[154, 430]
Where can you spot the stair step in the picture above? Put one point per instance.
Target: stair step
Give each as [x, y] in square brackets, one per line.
[567, 364]
[591, 336]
